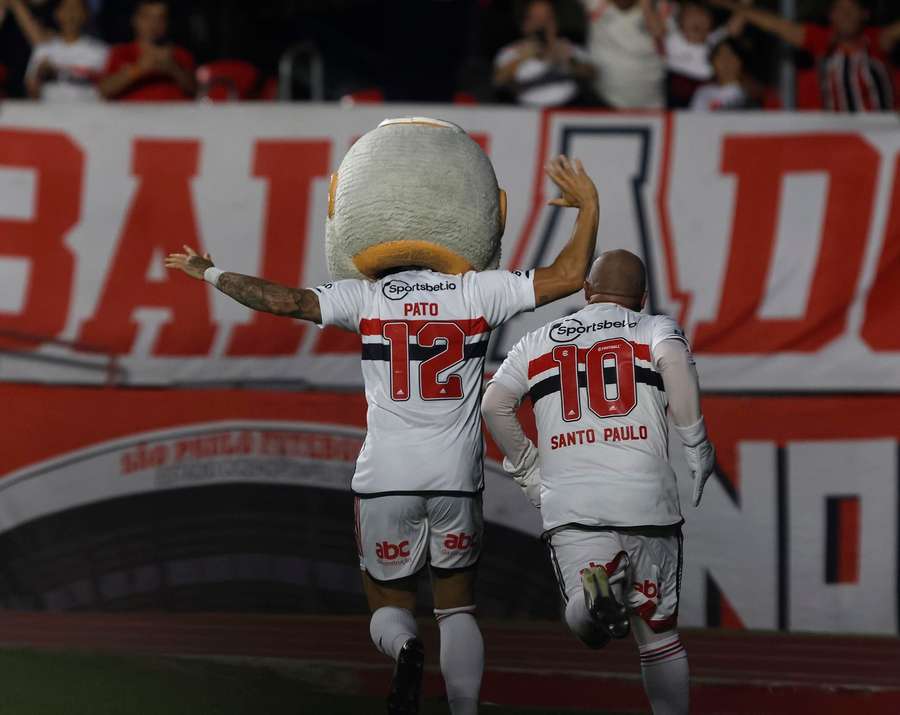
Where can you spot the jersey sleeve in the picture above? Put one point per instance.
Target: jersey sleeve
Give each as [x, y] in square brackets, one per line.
[817, 40]
[506, 55]
[664, 328]
[184, 59]
[37, 56]
[501, 295]
[342, 303]
[513, 373]
[716, 36]
[115, 59]
[579, 54]
[102, 50]
[873, 43]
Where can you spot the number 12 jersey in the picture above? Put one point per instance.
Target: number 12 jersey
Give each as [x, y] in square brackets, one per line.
[600, 408]
[424, 341]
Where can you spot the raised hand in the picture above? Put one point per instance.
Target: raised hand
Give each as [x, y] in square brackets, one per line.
[575, 186]
[190, 262]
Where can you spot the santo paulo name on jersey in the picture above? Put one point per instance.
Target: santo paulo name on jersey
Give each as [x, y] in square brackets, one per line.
[424, 340]
[600, 408]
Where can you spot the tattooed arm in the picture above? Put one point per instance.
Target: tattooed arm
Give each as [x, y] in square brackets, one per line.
[255, 293]
[271, 297]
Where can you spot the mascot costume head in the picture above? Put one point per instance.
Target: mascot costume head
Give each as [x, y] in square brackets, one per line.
[414, 192]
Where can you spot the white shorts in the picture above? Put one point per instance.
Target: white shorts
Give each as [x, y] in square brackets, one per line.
[398, 535]
[643, 565]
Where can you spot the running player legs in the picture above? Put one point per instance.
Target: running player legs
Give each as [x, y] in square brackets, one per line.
[644, 572]
[397, 536]
[462, 648]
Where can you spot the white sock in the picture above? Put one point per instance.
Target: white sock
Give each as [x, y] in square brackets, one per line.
[462, 658]
[664, 665]
[390, 628]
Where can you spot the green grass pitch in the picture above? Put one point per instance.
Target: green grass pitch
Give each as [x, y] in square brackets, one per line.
[53, 683]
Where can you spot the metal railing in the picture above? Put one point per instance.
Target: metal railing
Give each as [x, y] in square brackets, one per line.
[305, 57]
[787, 79]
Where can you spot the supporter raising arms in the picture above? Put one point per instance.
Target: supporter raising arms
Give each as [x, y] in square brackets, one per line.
[852, 56]
[691, 37]
[542, 69]
[151, 68]
[64, 66]
[624, 45]
[727, 91]
[30, 26]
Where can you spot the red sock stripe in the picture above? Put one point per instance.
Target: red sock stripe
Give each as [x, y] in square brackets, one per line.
[664, 646]
[663, 653]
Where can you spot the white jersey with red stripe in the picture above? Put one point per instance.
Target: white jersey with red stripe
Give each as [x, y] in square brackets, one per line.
[600, 408]
[424, 340]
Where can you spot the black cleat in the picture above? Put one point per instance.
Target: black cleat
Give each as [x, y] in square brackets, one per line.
[610, 615]
[406, 685]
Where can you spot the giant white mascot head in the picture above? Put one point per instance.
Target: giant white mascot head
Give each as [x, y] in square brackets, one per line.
[414, 192]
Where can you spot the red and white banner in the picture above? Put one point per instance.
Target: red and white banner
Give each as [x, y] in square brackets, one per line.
[797, 531]
[774, 238]
[68, 447]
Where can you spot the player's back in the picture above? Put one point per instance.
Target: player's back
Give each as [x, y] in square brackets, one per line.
[424, 340]
[600, 408]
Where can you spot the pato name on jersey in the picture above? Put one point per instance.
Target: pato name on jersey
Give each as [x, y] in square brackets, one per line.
[420, 309]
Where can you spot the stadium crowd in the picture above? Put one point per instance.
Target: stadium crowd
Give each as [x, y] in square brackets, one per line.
[622, 54]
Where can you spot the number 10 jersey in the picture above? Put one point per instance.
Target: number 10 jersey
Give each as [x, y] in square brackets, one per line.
[424, 341]
[600, 408]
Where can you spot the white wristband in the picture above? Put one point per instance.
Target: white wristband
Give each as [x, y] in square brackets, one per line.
[211, 275]
[692, 435]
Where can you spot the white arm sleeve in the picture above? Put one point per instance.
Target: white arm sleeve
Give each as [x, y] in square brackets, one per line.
[499, 407]
[501, 399]
[679, 374]
[513, 373]
[38, 54]
[342, 302]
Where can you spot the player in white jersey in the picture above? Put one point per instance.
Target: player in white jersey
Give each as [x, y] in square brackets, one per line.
[601, 382]
[419, 476]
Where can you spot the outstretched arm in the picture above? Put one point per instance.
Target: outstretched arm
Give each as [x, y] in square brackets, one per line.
[890, 36]
[789, 31]
[34, 32]
[253, 292]
[566, 274]
[656, 26]
[738, 20]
